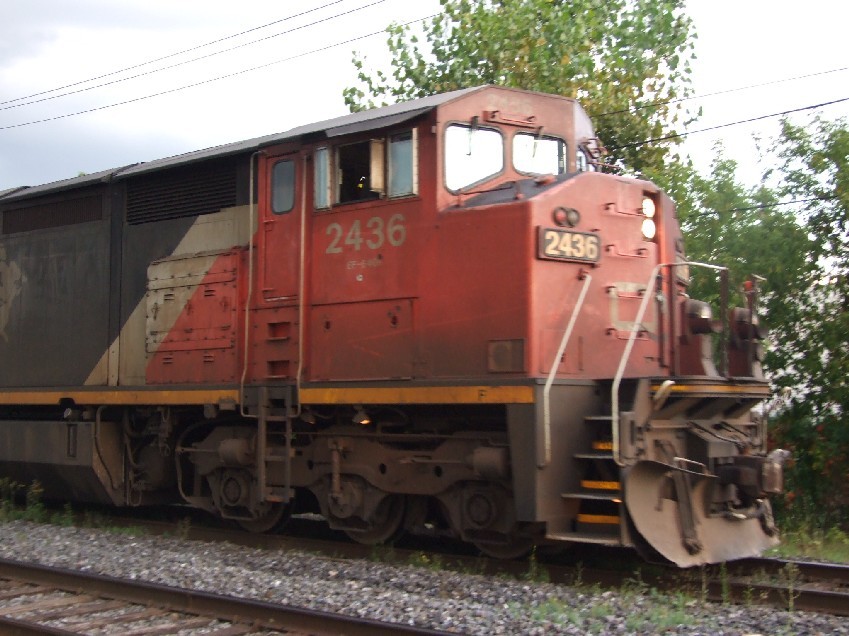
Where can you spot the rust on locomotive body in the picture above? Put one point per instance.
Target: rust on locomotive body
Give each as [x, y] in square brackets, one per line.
[440, 316]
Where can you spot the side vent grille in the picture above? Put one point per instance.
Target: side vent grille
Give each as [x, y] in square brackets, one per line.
[175, 194]
[58, 214]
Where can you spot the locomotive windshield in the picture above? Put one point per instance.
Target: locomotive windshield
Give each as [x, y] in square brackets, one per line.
[471, 155]
[533, 154]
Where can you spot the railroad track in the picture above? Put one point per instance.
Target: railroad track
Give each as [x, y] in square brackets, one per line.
[36, 599]
[780, 583]
[802, 585]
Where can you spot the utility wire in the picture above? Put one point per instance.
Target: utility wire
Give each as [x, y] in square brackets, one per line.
[657, 104]
[164, 57]
[733, 123]
[196, 59]
[208, 81]
[255, 68]
[775, 205]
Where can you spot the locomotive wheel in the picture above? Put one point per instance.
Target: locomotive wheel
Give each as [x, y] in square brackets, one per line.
[277, 516]
[386, 522]
[516, 548]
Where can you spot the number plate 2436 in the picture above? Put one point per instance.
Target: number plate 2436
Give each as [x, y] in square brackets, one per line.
[565, 245]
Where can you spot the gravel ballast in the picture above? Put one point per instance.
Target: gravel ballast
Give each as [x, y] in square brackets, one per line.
[422, 596]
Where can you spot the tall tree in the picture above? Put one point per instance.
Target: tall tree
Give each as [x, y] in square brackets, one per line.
[815, 171]
[795, 235]
[627, 61]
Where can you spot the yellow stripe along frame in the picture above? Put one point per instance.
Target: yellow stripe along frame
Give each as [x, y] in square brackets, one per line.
[481, 394]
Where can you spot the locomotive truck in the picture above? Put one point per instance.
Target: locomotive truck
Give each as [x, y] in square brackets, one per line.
[437, 316]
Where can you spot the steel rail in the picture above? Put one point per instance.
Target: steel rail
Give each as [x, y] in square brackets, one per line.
[808, 570]
[262, 614]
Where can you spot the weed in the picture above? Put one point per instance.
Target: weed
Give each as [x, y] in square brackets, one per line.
[600, 610]
[64, 518]
[536, 573]
[34, 510]
[804, 539]
[748, 596]
[553, 611]
[635, 585]
[384, 553]
[791, 577]
[184, 527]
[578, 576]
[8, 494]
[93, 520]
[725, 583]
[427, 561]
[663, 618]
[703, 591]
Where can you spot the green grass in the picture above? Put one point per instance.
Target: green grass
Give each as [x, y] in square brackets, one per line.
[19, 502]
[663, 612]
[813, 543]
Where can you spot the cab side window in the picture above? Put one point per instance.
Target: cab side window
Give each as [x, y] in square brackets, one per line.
[283, 187]
[385, 167]
[321, 179]
[358, 176]
[403, 166]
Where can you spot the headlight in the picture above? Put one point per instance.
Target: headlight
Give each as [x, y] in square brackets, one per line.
[648, 208]
[649, 229]
[566, 216]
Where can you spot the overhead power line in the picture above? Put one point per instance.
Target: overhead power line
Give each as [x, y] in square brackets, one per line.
[733, 123]
[195, 59]
[207, 81]
[165, 57]
[764, 206]
[659, 103]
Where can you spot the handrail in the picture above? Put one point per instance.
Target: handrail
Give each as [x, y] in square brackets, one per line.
[546, 402]
[629, 346]
[251, 211]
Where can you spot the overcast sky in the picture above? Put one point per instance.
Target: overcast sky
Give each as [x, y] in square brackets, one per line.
[49, 44]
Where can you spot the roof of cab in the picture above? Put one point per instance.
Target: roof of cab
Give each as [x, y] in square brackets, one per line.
[355, 122]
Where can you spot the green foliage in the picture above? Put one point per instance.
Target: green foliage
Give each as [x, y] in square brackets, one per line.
[34, 510]
[64, 518]
[625, 60]
[536, 572]
[9, 490]
[725, 223]
[815, 171]
[803, 539]
[427, 561]
[10, 495]
[796, 235]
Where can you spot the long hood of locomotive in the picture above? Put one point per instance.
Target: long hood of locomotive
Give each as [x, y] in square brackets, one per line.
[79, 306]
[482, 291]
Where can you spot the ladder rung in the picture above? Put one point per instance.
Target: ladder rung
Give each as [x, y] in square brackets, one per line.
[601, 455]
[598, 519]
[600, 485]
[593, 496]
[584, 537]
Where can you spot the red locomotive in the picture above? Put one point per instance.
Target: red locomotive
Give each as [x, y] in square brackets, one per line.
[437, 315]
